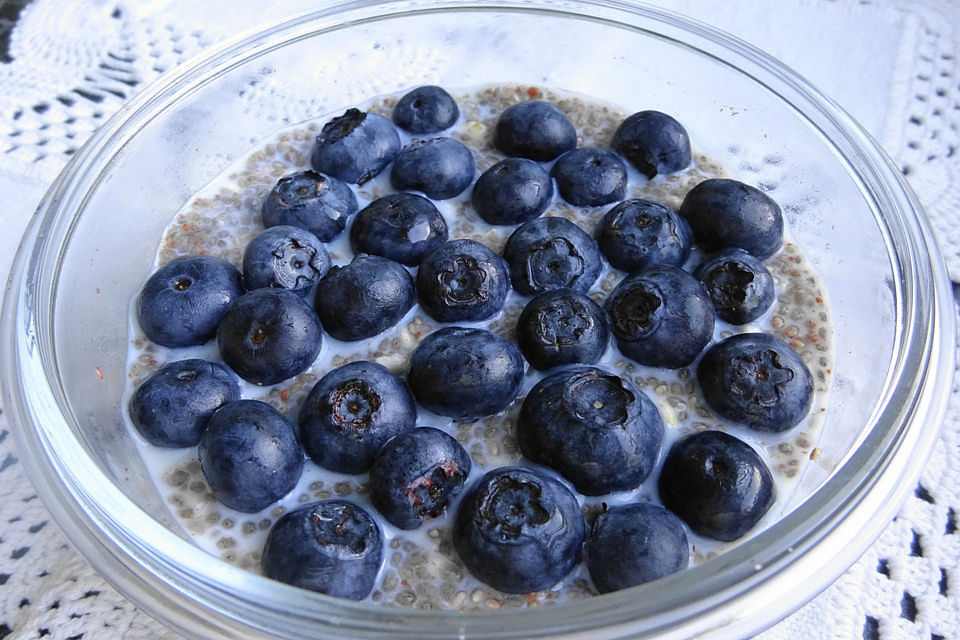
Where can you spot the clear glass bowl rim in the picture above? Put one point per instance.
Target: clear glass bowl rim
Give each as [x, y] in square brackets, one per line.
[744, 590]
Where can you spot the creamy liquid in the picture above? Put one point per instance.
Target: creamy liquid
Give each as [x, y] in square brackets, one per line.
[420, 568]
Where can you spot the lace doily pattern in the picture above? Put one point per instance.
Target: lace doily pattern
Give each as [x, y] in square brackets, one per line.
[47, 590]
[45, 117]
[9, 14]
[928, 148]
[906, 586]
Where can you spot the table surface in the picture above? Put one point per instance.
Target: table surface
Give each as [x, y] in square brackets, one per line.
[894, 65]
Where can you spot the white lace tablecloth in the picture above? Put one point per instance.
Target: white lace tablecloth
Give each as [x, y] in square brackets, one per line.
[65, 66]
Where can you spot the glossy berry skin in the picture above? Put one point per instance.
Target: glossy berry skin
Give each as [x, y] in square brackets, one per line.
[633, 544]
[356, 146]
[182, 303]
[590, 177]
[536, 130]
[637, 233]
[400, 226]
[415, 476]
[551, 253]
[465, 373]
[364, 298]
[727, 213]
[562, 327]
[426, 109]
[595, 429]
[462, 280]
[332, 547]
[269, 335]
[249, 455]
[653, 142]
[757, 380]
[519, 530]
[171, 408]
[312, 201]
[739, 285]
[512, 191]
[285, 257]
[351, 413]
[441, 168]
[661, 316]
[717, 484]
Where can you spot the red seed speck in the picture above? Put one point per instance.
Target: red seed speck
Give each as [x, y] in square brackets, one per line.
[99, 373]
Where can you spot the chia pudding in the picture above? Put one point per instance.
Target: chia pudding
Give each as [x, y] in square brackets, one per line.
[420, 568]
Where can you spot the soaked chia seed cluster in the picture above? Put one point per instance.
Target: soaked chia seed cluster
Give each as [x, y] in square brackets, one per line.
[421, 569]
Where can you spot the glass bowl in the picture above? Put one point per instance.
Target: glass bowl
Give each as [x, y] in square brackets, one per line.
[94, 238]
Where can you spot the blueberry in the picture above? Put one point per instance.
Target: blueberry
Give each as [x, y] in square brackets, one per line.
[308, 200]
[739, 285]
[351, 413]
[661, 316]
[249, 455]
[184, 300]
[462, 280]
[401, 226]
[757, 380]
[356, 146]
[269, 335]
[637, 233]
[562, 327]
[333, 547]
[653, 142]
[551, 253]
[534, 129]
[512, 191]
[364, 298]
[285, 257]
[633, 544]
[590, 177]
[426, 109]
[717, 484]
[465, 373]
[595, 429]
[726, 213]
[439, 167]
[171, 408]
[416, 474]
[519, 530]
